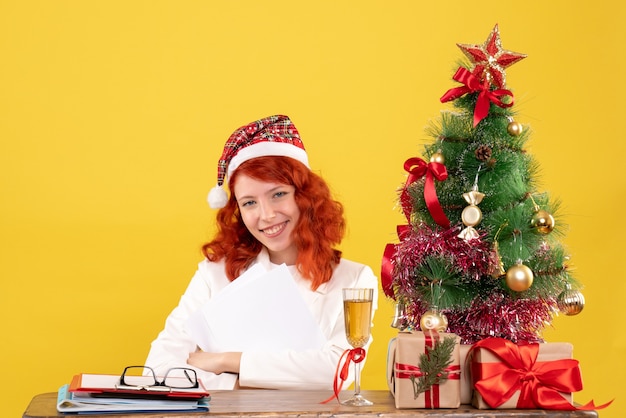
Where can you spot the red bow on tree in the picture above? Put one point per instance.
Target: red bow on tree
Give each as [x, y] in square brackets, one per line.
[386, 267]
[417, 169]
[486, 96]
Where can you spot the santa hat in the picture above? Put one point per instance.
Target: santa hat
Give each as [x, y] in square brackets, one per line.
[275, 135]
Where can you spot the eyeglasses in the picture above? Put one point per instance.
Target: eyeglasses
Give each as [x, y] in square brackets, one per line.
[144, 378]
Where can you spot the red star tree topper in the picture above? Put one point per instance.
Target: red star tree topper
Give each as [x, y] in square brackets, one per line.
[491, 59]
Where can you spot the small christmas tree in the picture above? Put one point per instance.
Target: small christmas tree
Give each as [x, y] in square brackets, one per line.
[480, 255]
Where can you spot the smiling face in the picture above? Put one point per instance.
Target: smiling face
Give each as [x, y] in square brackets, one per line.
[270, 213]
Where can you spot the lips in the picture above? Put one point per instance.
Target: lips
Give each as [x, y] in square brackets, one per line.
[274, 230]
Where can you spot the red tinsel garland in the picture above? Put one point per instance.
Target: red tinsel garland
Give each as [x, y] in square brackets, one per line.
[494, 315]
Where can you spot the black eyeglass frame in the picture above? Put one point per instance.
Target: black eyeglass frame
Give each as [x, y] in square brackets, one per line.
[189, 373]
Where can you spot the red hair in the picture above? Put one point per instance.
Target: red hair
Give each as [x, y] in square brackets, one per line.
[321, 225]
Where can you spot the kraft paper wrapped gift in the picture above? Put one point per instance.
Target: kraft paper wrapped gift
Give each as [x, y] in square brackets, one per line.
[466, 376]
[510, 376]
[403, 362]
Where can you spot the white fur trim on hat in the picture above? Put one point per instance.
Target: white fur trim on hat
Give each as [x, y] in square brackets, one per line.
[264, 149]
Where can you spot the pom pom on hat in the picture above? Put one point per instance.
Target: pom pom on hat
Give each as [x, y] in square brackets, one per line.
[274, 135]
[217, 197]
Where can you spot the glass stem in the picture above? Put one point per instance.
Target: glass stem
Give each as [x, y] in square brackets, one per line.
[357, 378]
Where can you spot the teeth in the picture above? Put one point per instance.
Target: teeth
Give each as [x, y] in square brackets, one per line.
[273, 229]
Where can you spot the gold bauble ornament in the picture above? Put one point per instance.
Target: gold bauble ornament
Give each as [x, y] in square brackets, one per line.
[514, 128]
[519, 277]
[570, 302]
[437, 157]
[542, 221]
[433, 320]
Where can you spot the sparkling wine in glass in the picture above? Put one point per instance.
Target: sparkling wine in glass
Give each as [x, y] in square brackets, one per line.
[357, 308]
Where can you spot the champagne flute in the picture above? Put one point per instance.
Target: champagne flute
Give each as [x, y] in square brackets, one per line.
[357, 309]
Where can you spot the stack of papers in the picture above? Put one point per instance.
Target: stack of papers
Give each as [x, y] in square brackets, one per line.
[270, 305]
[92, 393]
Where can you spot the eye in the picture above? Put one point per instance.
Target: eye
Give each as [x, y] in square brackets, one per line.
[247, 203]
[281, 193]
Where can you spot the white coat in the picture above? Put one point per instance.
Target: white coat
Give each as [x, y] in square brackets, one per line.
[311, 369]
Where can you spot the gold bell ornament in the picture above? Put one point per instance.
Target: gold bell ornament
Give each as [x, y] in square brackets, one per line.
[570, 302]
[497, 266]
[400, 319]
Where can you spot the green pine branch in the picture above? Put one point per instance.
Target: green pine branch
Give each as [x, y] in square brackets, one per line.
[433, 364]
[438, 282]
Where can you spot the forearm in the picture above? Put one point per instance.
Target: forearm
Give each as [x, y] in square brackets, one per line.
[218, 363]
[313, 369]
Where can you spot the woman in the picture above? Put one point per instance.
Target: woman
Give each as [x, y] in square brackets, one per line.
[279, 212]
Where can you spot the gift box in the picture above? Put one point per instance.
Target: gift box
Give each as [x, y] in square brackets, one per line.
[526, 376]
[404, 374]
[467, 385]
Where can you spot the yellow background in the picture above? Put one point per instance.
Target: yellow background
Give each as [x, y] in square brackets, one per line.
[113, 114]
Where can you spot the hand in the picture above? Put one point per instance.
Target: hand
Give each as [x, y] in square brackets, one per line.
[215, 362]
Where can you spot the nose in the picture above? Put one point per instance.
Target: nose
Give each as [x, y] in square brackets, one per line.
[267, 210]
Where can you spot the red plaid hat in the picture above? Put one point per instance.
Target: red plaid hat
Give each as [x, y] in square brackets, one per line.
[274, 135]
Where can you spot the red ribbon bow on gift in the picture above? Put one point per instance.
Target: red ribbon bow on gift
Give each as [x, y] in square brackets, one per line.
[353, 355]
[417, 168]
[539, 383]
[431, 396]
[486, 96]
